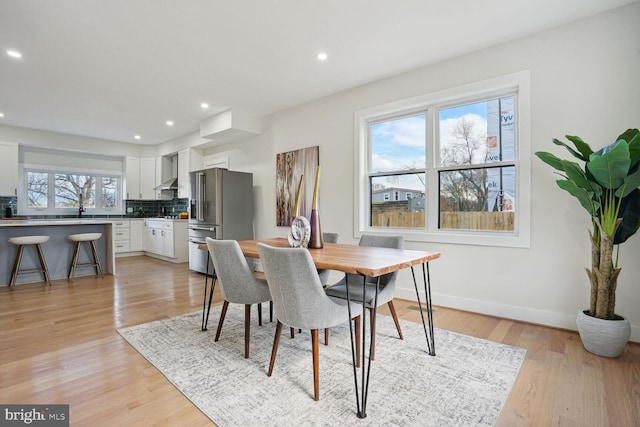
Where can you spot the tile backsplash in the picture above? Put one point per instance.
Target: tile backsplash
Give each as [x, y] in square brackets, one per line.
[150, 208]
[138, 208]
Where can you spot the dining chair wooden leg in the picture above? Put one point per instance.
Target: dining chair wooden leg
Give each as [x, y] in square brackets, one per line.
[247, 329]
[316, 364]
[326, 336]
[270, 311]
[274, 350]
[293, 333]
[392, 309]
[373, 335]
[259, 314]
[358, 325]
[223, 313]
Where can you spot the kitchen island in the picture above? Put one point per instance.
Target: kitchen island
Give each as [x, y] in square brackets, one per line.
[58, 250]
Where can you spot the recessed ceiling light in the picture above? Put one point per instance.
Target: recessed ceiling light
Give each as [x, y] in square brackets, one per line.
[322, 56]
[1, 115]
[136, 136]
[14, 54]
[169, 123]
[204, 105]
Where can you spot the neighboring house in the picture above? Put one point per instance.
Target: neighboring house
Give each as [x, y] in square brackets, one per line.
[415, 199]
[395, 194]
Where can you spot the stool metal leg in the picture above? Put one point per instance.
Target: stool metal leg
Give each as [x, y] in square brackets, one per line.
[16, 266]
[96, 258]
[43, 264]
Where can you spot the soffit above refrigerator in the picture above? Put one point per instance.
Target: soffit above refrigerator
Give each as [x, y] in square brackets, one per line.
[230, 125]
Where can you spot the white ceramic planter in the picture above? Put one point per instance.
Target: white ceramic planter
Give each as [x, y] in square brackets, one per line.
[603, 337]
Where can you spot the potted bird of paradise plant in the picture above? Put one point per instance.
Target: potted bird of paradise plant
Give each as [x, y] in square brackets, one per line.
[607, 186]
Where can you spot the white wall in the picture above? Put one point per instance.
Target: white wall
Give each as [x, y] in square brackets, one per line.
[584, 81]
[61, 141]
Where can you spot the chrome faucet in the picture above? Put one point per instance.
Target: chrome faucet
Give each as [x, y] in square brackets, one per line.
[81, 208]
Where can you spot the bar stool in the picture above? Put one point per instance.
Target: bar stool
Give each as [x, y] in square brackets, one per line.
[85, 237]
[23, 241]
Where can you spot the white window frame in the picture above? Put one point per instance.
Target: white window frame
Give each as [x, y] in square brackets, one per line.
[23, 209]
[518, 83]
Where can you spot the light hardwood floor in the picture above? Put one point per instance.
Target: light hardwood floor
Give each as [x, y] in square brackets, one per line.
[59, 344]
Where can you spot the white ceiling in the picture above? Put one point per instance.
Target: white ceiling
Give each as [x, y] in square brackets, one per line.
[114, 68]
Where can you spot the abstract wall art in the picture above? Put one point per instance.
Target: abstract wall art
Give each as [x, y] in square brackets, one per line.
[290, 166]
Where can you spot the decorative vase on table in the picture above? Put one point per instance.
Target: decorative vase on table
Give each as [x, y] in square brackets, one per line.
[300, 232]
[315, 242]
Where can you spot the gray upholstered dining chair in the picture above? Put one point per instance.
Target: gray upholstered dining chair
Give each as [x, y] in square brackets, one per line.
[237, 283]
[386, 291]
[299, 301]
[324, 274]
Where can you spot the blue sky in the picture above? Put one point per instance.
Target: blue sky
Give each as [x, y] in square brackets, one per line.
[479, 109]
[400, 144]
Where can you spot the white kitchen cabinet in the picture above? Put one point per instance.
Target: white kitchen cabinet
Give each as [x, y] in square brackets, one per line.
[8, 168]
[121, 236]
[168, 244]
[141, 178]
[153, 236]
[167, 239]
[147, 177]
[158, 180]
[132, 178]
[181, 240]
[189, 160]
[128, 236]
[184, 186]
[136, 233]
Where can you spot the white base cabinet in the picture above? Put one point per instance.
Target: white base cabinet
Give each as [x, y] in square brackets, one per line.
[121, 236]
[136, 233]
[166, 239]
[128, 237]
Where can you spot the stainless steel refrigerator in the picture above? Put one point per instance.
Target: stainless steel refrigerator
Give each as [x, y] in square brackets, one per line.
[221, 208]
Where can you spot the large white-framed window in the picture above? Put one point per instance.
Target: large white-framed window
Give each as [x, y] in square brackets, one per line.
[49, 192]
[464, 155]
[57, 182]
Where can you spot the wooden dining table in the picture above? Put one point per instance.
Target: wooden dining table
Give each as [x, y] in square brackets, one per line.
[365, 261]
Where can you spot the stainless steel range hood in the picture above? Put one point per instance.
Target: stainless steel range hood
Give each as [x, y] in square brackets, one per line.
[170, 184]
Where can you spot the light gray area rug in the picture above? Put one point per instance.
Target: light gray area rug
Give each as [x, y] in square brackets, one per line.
[466, 384]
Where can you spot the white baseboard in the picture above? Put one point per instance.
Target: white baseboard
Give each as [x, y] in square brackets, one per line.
[525, 314]
[128, 254]
[164, 258]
